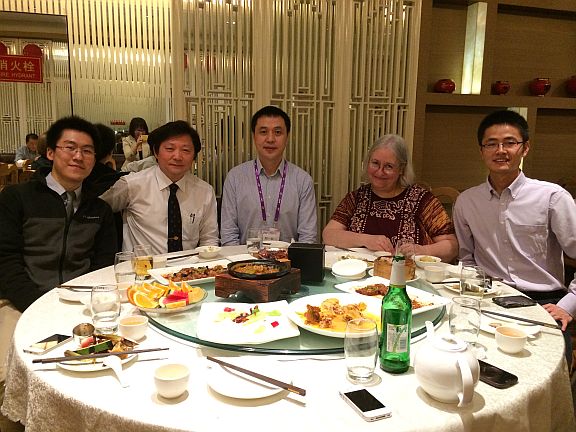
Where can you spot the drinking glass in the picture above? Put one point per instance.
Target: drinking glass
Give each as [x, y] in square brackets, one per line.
[464, 319]
[254, 239]
[105, 308]
[472, 281]
[405, 247]
[143, 254]
[124, 268]
[361, 350]
[270, 234]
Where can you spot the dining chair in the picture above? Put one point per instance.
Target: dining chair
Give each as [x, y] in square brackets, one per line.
[447, 196]
[8, 175]
[25, 175]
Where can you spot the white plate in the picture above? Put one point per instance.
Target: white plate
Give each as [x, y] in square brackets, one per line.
[214, 324]
[159, 272]
[77, 366]
[172, 311]
[454, 286]
[332, 257]
[417, 276]
[413, 292]
[299, 306]
[234, 384]
[74, 296]
[486, 320]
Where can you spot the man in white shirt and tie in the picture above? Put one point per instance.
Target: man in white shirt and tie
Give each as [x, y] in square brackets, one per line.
[145, 196]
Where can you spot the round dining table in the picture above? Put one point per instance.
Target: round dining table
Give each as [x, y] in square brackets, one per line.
[47, 397]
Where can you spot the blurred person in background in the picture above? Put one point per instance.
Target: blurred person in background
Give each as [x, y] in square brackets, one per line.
[135, 145]
[42, 161]
[28, 151]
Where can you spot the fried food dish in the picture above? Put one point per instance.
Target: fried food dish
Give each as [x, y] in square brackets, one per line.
[256, 269]
[272, 254]
[191, 273]
[373, 290]
[332, 315]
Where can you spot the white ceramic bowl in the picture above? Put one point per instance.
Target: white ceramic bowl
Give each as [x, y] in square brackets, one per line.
[208, 252]
[349, 269]
[133, 327]
[510, 339]
[425, 260]
[435, 273]
[171, 380]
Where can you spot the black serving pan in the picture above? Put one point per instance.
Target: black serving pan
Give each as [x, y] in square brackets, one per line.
[281, 268]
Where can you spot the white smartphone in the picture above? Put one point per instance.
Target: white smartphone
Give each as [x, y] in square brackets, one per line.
[366, 404]
[47, 344]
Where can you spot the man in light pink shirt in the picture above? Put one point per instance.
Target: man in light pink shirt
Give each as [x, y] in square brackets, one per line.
[515, 227]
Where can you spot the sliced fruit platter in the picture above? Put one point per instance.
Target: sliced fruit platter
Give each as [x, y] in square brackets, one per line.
[158, 298]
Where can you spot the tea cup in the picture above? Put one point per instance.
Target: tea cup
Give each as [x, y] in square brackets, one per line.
[510, 339]
[133, 327]
[171, 380]
[434, 273]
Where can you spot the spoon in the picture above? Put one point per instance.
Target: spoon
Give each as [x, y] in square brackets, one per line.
[114, 363]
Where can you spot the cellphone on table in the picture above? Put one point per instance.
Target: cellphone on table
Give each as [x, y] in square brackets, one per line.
[514, 301]
[495, 376]
[366, 404]
[47, 344]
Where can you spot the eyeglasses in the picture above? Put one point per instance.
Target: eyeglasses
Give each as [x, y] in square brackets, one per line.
[84, 151]
[507, 144]
[388, 167]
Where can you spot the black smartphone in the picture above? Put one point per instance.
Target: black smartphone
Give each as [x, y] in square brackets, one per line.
[514, 301]
[47, 344]
[495, 376]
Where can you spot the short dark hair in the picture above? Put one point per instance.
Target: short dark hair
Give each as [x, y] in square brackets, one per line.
[270, 111]
[511, 118]
[173, 129]
[107, 141]
[41, 146]
[31, 136]
[75, 123]
[137, 123]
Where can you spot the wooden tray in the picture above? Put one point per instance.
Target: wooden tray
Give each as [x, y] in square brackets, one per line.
[258, 290]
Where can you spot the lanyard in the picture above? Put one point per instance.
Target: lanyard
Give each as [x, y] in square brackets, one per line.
[262, 205]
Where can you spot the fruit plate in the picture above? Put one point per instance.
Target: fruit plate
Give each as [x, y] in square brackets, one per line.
[234, 384]
[164, 310]
[160, 273]
[78, 366]
[298, 307]
[215, 323]
[430, 301]
[332, 257]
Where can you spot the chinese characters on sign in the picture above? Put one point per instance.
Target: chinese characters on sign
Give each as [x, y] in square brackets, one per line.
[17, 68]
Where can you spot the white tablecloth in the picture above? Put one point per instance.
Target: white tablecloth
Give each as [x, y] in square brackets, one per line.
[47, 398]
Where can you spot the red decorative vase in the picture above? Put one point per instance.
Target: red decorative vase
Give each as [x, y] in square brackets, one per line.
[500, 87]
[444, 86]
[540, 86]
[571, 86]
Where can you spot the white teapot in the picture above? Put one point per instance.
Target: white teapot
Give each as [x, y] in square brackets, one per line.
[446, 368]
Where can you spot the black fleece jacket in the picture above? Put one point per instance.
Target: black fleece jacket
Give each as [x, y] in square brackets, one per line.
[39, 249]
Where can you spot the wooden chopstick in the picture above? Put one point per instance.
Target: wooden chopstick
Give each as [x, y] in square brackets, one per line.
[92, 356]
[76, 287]
[277, 383]
[182, 256]
[554, 326]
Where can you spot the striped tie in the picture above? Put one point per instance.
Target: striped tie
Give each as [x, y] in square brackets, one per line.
[174, 221]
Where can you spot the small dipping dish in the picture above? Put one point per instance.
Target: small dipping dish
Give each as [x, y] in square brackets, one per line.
[82, 332]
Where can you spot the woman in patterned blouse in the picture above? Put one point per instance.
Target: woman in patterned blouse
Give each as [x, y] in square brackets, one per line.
[390, 208]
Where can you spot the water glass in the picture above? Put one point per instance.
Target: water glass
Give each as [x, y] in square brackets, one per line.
[464, 319]
[254, 240]
[270, 234]
[143, 257]
[124, 269]
[361, 350]
[473, 281]
[105, 308]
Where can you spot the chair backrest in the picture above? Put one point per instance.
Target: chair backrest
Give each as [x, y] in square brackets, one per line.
[8, 175]
[447, 196]
[25, 175]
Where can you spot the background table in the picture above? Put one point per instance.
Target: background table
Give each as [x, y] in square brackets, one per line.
[47, 398]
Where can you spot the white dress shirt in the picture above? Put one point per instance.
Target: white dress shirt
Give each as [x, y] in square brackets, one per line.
[144, 198]
[519, 235]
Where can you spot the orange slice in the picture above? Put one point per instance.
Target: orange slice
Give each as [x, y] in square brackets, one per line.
[195, 294]
[153, 291]
[176, 304]
[130, 293]
[142, 300]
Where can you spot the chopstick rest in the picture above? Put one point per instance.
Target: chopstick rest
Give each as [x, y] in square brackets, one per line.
[277, 383]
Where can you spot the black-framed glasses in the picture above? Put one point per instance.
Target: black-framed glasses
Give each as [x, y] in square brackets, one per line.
[507, 144]
[84, 151]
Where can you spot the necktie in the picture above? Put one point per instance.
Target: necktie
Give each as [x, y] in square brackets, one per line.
[174, 221]
[69, 198]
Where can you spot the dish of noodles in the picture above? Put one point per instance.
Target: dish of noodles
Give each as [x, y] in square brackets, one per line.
[327, 314]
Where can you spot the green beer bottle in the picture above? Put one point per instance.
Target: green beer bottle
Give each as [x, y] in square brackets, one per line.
[396, 321]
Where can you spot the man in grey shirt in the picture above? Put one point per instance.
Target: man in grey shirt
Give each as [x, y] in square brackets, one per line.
[268, 191]
[27, 151]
